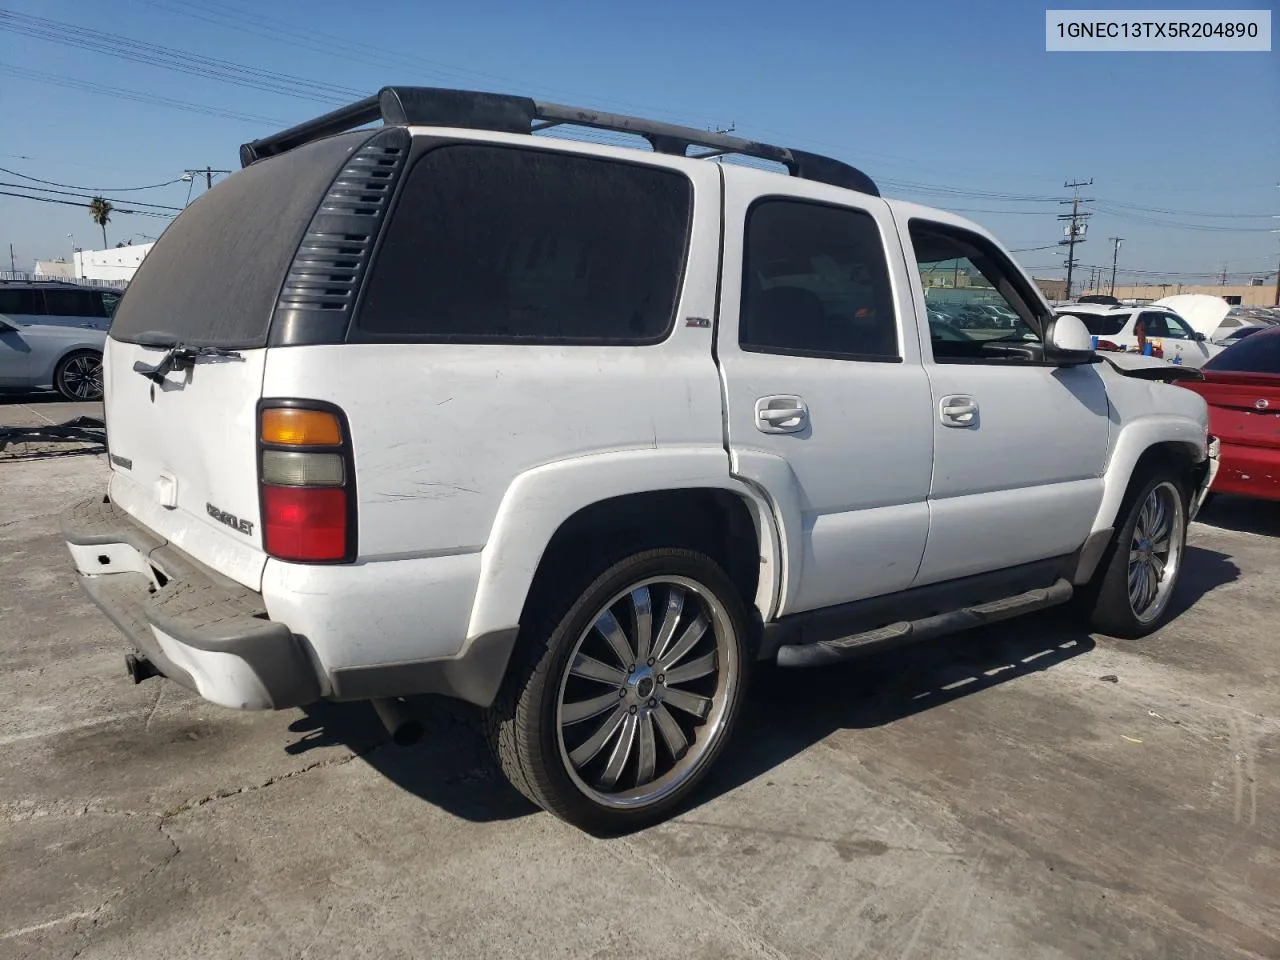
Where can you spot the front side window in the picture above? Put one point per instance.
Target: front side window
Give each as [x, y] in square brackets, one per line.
[967, 279]
[492, 243]
[815, 283]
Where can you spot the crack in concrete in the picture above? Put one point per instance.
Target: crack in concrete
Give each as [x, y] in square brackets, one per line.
[222, 794]
[22, 811]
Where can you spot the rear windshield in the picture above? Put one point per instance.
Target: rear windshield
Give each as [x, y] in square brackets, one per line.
[1100, 324]
[492, 243]
[1259, 354]
[213, 277]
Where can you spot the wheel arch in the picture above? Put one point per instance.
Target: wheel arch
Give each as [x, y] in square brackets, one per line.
[1175, 442]
[646, 498]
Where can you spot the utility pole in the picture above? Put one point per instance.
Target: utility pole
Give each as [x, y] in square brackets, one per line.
[13, 267]
[1078, 226]
[1115, 255]
[209, 174]
[1224, 275]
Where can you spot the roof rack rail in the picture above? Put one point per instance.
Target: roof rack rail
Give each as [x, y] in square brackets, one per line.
[435, 106]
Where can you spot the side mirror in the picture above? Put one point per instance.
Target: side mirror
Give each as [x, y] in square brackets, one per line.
[1199, 337]
[1067, 341]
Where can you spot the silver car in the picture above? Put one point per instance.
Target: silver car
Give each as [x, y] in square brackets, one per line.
[51, 336]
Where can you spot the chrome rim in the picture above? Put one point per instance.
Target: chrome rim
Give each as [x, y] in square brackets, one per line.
[647, 691]
[1155, 552]
[82, 378]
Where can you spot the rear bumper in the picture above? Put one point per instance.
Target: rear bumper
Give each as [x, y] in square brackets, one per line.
[1249, 471]
[200, 629]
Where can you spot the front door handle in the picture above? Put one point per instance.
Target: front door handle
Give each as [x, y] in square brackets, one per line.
[958, 410]
[781, 414]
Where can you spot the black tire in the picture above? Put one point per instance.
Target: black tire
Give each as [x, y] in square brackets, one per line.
[524, 723]
[1108, 601]
[78, 376]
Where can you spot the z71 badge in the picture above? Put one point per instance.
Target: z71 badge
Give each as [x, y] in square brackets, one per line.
[230, 519]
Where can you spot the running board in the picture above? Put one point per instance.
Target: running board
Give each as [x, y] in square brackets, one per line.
[913, 631]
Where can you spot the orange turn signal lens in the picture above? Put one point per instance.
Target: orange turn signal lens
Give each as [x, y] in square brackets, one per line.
[296, 427]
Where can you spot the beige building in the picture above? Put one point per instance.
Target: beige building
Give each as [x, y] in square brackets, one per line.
[1245, 294]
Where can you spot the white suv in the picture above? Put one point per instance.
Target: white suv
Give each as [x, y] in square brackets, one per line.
[1130, 329]
[579, 433]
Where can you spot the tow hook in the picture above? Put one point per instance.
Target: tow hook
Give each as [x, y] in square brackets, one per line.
[140, 668]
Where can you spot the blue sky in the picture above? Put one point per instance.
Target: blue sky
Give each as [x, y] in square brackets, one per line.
[942, 103]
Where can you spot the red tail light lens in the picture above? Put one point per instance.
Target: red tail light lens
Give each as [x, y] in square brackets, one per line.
[1107, 345]
[307, 484]
[304, 523]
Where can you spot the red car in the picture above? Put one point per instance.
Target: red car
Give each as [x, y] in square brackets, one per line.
[1242, 387]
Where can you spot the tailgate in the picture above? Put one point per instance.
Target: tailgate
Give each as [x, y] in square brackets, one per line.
[184, 453]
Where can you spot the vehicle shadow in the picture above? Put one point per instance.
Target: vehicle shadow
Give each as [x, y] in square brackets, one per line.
[786, 712]
[1242, 514]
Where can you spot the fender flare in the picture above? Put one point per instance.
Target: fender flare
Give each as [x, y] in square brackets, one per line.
[539, 501]
[1135, 439]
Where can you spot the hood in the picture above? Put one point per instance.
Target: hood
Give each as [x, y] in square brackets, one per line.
[1204, 312]
[1149, 368]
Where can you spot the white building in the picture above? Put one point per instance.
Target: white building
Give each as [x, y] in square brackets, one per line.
[54, 269]
[114, 263]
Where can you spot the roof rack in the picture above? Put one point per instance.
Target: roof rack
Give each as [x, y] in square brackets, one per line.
[434, 106]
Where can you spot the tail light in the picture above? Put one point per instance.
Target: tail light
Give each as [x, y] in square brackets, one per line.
[307, 482]
[1108, 345]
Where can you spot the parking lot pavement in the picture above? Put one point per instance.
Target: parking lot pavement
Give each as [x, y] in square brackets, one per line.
[1027, 791]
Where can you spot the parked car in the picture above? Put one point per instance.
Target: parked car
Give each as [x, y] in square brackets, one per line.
[1239, 333]
[51, 337]
[985, 316]
[1242, 387]
[580, 433]
[1129, 328]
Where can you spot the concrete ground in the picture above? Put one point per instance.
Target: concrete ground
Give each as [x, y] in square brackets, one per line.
[1022, 792]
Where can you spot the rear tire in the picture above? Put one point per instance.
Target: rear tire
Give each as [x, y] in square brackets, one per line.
[621, 696]
[78, 376]
[1139, 573]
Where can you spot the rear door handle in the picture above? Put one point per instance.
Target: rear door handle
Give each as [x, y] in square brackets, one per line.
[958, 410]
[781, 414]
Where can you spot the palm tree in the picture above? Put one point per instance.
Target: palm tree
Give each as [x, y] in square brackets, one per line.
[100, 211]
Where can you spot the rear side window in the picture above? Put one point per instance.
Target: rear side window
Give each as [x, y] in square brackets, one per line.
[19, 302]
[73, 303]
[1258, 354]
[1100, 324]
[491, 243]
[815, 283]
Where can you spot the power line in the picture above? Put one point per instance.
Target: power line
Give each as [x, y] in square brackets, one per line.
[136, 96]
[90, 196]
[72, 203]
[73, 186]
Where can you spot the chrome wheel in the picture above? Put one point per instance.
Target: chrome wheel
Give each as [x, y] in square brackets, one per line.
[646, 691]
[1155, 551]
[81, 378]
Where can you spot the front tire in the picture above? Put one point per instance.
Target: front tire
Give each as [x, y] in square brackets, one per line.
[622, 696]
[78, 376]
[1140, 572]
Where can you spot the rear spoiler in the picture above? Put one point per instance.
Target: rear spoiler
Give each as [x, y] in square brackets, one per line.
[439, 107]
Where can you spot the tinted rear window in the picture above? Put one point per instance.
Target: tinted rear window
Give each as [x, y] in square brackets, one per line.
[1256, 354]
[214, 275]
[19, 302]
[491, 243]
[73, 303]
[1101, 325]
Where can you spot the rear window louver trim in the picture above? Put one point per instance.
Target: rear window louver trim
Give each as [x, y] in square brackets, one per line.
[323, 282]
